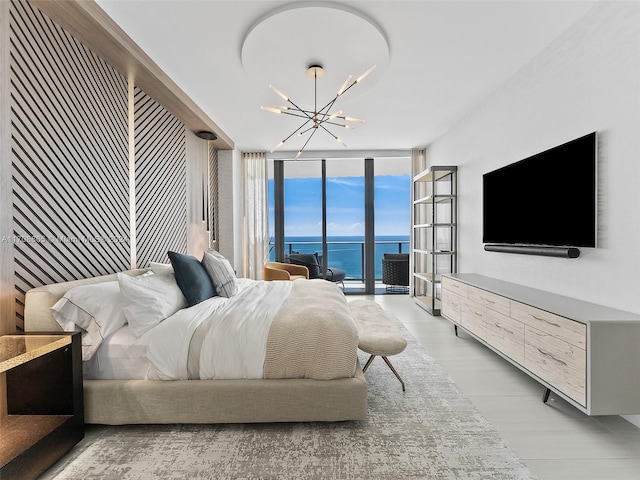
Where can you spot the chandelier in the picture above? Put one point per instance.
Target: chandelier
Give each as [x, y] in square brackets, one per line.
[316, 119]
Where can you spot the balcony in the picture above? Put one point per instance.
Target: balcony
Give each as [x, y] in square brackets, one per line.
[348, 255]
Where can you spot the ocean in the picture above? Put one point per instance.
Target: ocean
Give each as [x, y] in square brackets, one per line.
[347, 253]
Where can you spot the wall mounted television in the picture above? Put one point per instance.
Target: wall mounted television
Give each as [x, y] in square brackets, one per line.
[548, 199]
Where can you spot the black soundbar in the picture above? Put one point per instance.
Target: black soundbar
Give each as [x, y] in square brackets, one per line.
[562, 252]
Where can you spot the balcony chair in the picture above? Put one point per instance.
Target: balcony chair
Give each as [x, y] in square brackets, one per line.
[310, 260]
[395, 272]
[284, 271]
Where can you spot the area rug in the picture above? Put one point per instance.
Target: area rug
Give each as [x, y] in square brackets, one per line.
[431, 431]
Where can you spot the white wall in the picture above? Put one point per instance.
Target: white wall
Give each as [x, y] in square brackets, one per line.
[587, 80]
[230, 210]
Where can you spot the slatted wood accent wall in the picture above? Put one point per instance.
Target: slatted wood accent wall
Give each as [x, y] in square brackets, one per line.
[161, 198]
[69, 148]
[213, 196]
[69, 157]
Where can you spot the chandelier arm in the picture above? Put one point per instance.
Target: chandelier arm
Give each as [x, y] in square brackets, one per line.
[300, 109]
[345, 90]
[334, 136]
[328, 106]
[296, 115]
[338, 124]
[305, 131]
[296, 130]
[305, 143]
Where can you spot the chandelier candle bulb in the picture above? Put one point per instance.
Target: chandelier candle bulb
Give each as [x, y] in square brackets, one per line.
[278, 92]
[361, 77]
[344, 86]
[271, 109]
[276, 147]
[339, 112]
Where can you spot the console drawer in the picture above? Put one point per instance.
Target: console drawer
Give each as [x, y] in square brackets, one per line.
[460, 288]
[570, 331]
[473, 318]
[506, 335]
[451, 304]
[559, 363]
[489, 300]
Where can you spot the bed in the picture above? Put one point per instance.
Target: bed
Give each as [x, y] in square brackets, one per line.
[133, 400]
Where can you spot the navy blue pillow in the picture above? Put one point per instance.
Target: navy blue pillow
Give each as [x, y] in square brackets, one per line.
[192, 278]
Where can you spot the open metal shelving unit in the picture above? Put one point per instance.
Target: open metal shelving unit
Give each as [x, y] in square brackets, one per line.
[434, 234]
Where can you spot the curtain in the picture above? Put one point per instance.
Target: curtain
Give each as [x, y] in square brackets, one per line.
[418, 165]
[418, 161]
[256, 214]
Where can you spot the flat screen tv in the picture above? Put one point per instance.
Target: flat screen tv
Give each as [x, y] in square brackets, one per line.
[546, 199]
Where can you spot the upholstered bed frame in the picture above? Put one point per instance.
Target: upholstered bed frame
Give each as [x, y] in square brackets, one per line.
[117, 402]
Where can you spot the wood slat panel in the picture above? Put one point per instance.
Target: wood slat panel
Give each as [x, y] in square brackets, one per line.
[161, 197]
[213, 195]
[7, 297]
[69, 156]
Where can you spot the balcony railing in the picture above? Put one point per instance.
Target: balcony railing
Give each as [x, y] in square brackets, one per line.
[346, 255]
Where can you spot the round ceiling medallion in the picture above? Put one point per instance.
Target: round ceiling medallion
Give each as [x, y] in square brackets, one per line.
[280, 47]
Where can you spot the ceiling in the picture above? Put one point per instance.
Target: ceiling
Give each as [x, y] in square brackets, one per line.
[436, 60]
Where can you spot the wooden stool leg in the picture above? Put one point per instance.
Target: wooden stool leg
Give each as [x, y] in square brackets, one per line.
[366, 365]
[386, 360]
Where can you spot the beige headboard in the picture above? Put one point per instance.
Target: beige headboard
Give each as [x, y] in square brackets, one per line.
[38, 301]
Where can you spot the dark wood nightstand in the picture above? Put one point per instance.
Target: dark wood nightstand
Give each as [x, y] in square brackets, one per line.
[41, 402]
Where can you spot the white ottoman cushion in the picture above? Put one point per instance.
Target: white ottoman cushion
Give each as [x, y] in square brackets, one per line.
[377, 331]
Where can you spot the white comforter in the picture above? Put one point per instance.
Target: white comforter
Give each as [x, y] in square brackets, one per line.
[237, 334]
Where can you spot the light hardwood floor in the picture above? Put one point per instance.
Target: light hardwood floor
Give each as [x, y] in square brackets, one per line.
[556, 441]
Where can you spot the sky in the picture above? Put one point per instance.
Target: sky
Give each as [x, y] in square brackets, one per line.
[345, 206]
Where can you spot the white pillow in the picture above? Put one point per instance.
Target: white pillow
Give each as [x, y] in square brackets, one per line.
[221, 273]
[148, 300]
[161, 268]
[94, 309]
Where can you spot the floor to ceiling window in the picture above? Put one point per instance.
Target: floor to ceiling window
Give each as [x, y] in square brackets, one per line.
[392, 215]
[325, 211]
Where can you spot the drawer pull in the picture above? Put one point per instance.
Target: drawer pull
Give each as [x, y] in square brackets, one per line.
[545, 321]
[547, 354]
[488, 301]
[504, 328]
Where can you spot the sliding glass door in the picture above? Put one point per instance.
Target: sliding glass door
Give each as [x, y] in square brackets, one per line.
[330, 209]
[345, 184]
[392, 217]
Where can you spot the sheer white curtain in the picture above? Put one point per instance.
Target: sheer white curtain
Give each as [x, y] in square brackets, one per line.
[418, 161]
[256, 214]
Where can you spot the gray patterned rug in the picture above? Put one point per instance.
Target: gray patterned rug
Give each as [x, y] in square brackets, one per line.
[432, 431]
